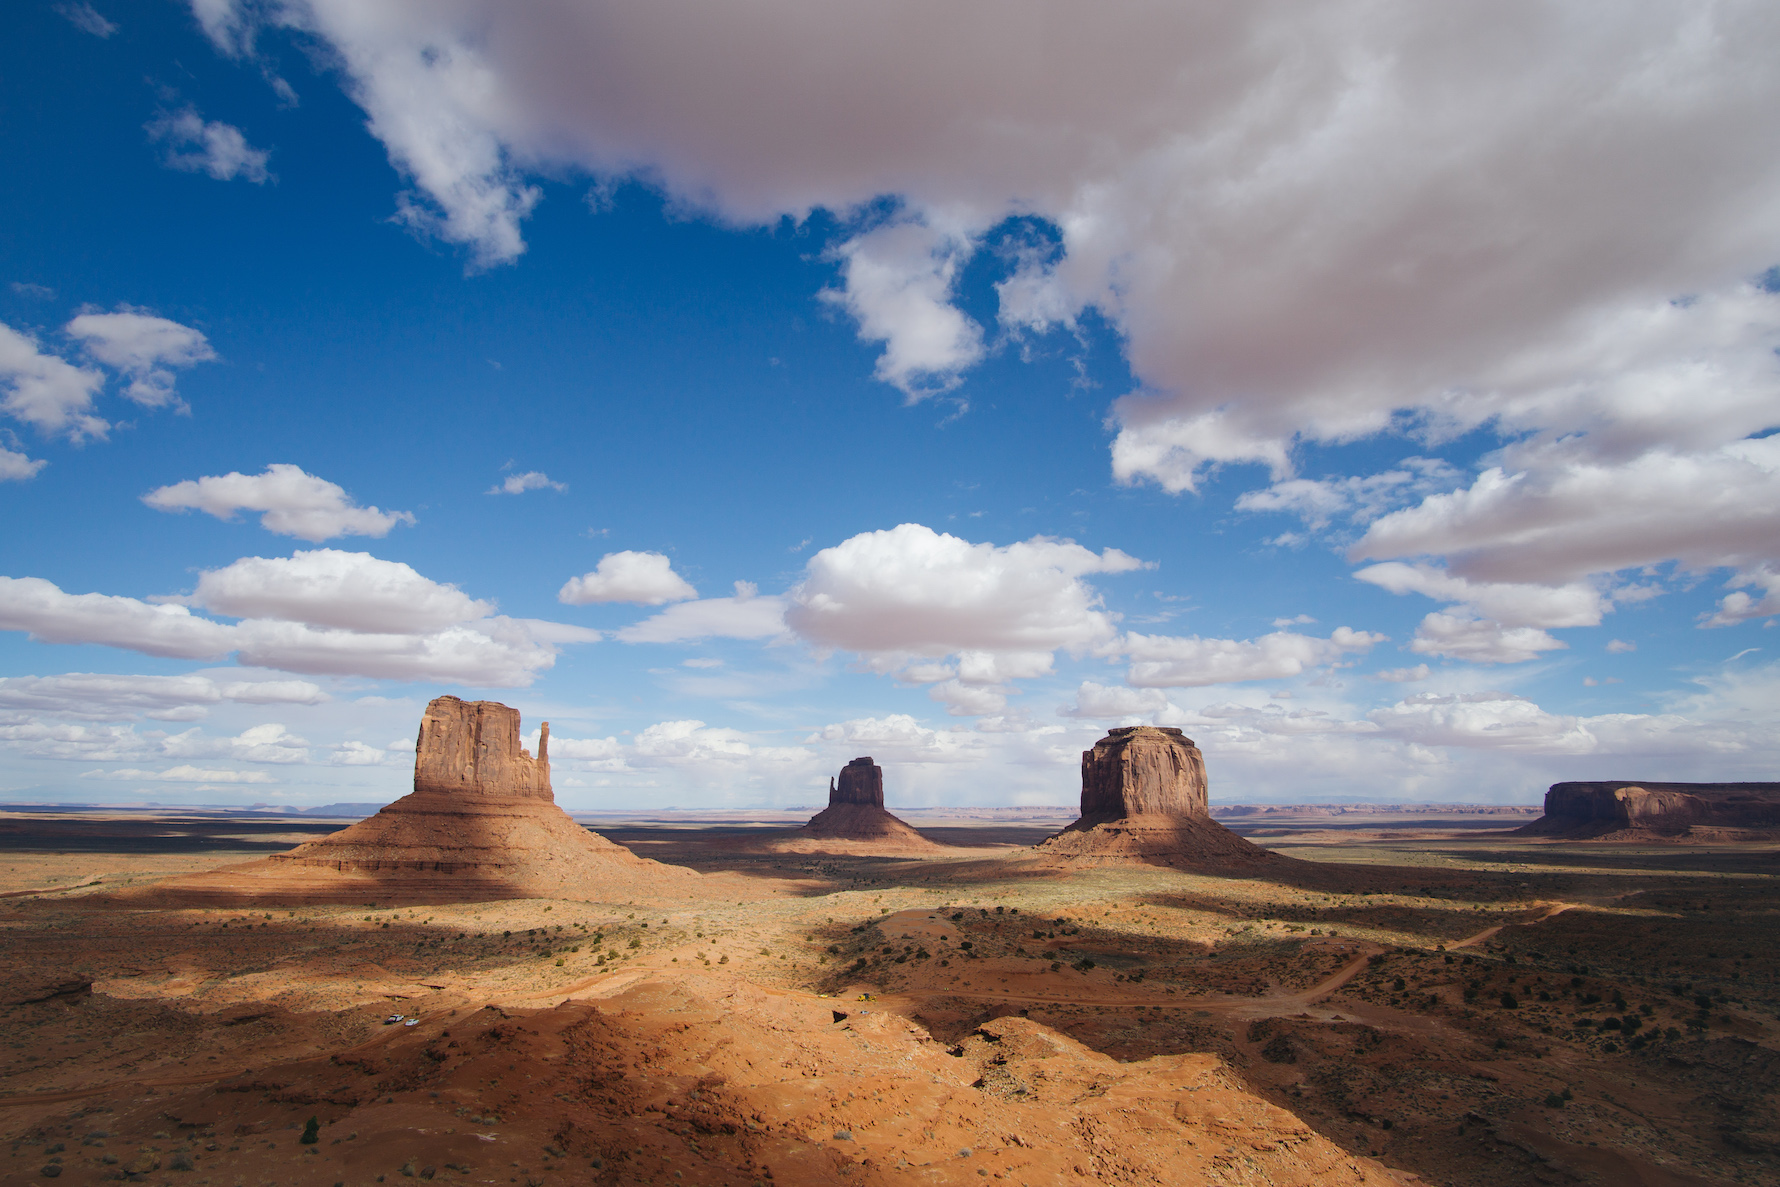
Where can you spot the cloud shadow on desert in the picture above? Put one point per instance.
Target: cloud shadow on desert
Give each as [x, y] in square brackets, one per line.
[164, 836]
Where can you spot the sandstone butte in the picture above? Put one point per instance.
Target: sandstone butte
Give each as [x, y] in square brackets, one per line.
[481, 823]
[856, 820]
[1629, 810]
[1145, 800]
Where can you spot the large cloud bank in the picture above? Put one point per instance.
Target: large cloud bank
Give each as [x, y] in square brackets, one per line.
[1310, 224]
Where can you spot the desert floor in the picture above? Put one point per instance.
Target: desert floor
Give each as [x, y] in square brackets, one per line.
[1442, 1001]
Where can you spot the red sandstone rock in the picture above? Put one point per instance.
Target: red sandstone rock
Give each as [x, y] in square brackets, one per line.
[472, 748]
[1667, 809]
[481, 823]
[862, 782]
[1145, 799]
[1142, 770]
[855, 819]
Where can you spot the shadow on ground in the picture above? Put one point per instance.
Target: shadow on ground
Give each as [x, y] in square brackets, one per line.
[164, 835]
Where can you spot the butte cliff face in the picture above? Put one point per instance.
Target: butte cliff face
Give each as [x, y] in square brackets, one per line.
[861, 782]
[856, 820]
[481, 823]
[471, 748]
[1145, 799]
[1664, 809]
[1143, 770]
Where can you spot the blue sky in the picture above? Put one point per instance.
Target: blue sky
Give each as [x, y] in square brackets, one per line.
[1381, 396]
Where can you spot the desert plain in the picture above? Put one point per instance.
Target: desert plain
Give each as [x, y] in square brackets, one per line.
[1422, 995]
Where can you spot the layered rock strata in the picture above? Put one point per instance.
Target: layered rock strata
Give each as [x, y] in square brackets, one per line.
[856, 820]
[1667, 809]
[481, 823]
[1145, 799]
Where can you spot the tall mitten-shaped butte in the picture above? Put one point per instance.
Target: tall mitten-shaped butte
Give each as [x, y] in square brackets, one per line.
[855, 820]
[481, 823]
[472, 748]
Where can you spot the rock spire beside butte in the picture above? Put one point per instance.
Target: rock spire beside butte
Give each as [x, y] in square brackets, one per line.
[481, 823]
[855, 820]
[1145, 800]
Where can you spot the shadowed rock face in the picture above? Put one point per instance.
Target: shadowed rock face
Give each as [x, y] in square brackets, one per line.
[862, 782]
[472, 747]
[1143, 770]
[856, 814]
[1592, 809]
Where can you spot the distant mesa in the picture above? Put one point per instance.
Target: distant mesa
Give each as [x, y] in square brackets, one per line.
[481, 823]
[1626, 810]
[856, 821]
[1145, 799]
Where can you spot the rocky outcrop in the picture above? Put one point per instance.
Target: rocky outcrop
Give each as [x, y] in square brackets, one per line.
[481, 823]
[471, 748]
[861, 782]
[1144, 770]
[1601, 809]
[1146, 800]
[856, 821]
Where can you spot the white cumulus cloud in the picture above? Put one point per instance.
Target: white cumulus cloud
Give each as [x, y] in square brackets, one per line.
[99, 697]
[329, 588]
[1739, 606]
[518, 484]
[898, 282]
[1480, 640]
[1172, 661]
[747, 615]
[16, 467]
[46, 391]
[913, 592]
[196, 145]
[51, 616]
[1102, 701]
[143, 347]
[1511, 603]
[647, 578]
[294, 503]
[1496, 720]
[1565, 516]
[322, 612]
[1359, 498]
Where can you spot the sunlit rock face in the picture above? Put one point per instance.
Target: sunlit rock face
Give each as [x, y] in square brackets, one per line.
[1600, 808]
[472, 747]
[1144, 770]
[481, 823]
[1145, 800]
